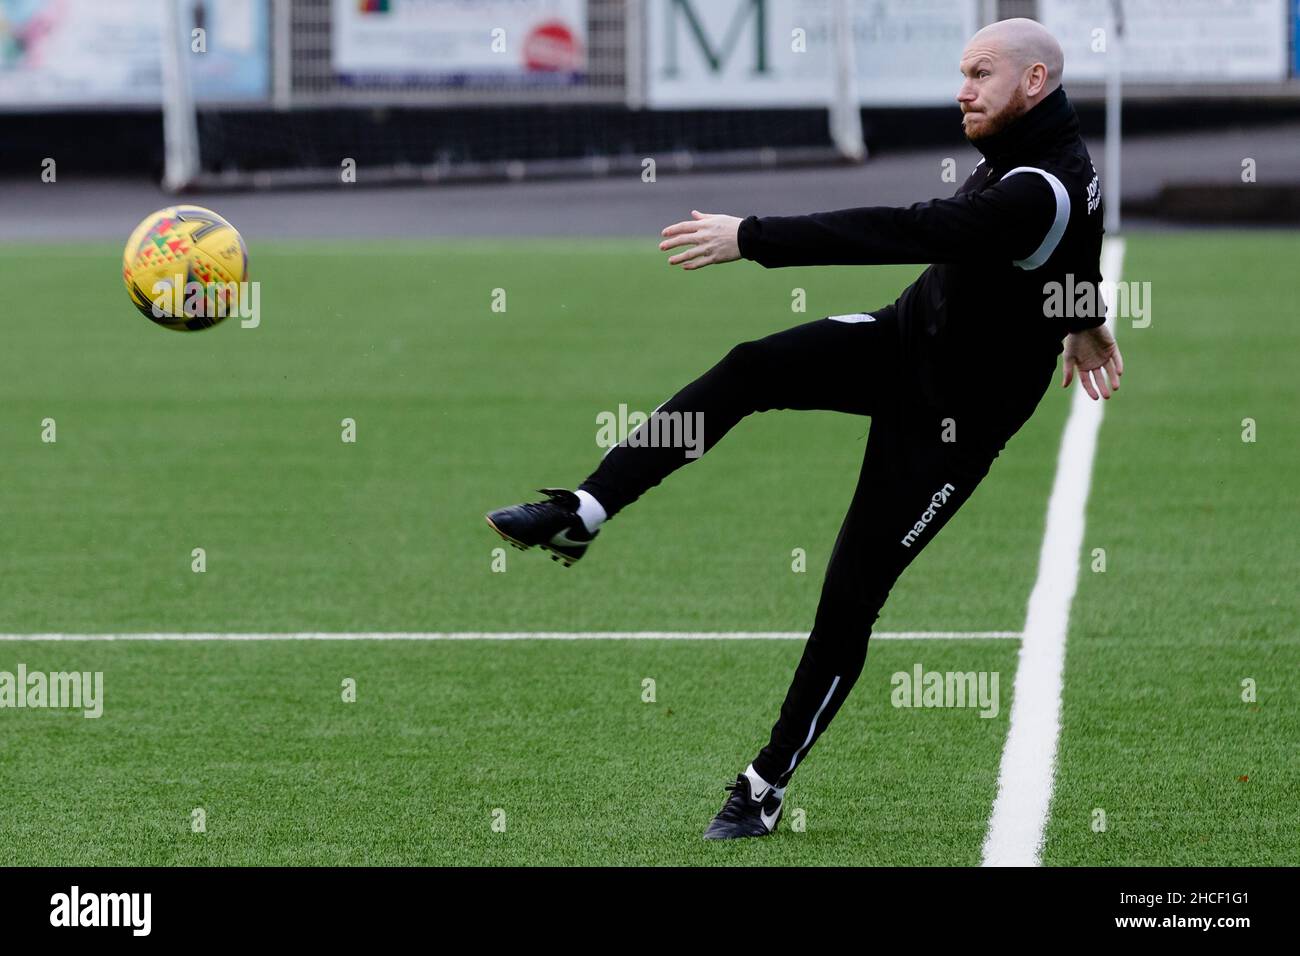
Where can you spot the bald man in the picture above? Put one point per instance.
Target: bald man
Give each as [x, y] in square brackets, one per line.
[948, 372]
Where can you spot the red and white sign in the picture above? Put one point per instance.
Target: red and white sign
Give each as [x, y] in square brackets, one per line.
[459, 38]
[551, 46]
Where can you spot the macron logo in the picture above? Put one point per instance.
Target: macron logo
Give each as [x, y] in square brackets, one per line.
[937, 501]
[102, 909]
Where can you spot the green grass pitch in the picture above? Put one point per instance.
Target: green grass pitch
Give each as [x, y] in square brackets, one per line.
[229, 440]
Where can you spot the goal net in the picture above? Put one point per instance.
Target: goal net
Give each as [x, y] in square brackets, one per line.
[378, 91]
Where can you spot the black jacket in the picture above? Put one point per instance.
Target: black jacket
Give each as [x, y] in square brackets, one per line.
[1029, 215]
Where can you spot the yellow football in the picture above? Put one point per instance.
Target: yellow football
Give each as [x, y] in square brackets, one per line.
[186, 268]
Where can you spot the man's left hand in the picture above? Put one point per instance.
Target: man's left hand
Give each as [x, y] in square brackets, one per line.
[1095, 356]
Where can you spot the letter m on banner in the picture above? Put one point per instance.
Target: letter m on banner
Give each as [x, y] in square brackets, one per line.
[745, 13]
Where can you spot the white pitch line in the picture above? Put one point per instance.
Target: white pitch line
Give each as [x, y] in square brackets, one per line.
[1020, 811]
[512, 636]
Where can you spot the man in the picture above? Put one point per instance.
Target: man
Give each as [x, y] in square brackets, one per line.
[965, 353]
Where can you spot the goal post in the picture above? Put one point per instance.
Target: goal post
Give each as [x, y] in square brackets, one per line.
[844, 112]
[1114, 108]
[180, 123]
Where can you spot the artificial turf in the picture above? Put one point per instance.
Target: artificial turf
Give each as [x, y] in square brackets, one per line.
[229, 440]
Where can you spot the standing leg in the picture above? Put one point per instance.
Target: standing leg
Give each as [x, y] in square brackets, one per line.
[908, 489]
[912, 482]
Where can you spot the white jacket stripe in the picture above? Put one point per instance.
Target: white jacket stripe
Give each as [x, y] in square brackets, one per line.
[1054, 234]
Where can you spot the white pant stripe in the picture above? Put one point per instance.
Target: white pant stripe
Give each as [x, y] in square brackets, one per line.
[813, 729]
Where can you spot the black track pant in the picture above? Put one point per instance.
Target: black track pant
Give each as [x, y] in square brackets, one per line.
[921, 464]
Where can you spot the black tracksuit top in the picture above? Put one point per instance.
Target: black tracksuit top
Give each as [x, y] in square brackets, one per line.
[1029, 215]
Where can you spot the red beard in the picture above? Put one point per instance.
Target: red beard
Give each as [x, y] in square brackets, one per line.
[995, 123]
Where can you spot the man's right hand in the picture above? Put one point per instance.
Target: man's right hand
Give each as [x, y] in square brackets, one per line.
[713, 237]
[1096, 356]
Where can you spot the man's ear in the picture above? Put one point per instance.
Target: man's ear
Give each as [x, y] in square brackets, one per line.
[1036, 79]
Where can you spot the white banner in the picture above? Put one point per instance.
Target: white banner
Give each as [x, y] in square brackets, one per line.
[755, 53]
[109, 52]
[452, 40]
[1173, 40]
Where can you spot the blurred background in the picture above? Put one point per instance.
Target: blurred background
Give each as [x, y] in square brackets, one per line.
[852, 101]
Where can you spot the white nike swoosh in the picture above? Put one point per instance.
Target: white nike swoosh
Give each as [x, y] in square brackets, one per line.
[770, 822]
[562, 537]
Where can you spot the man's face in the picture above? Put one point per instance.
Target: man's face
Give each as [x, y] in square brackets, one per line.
[991, 96]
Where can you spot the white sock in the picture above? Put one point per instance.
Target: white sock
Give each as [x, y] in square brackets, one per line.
[590, 510]
[757, 784]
